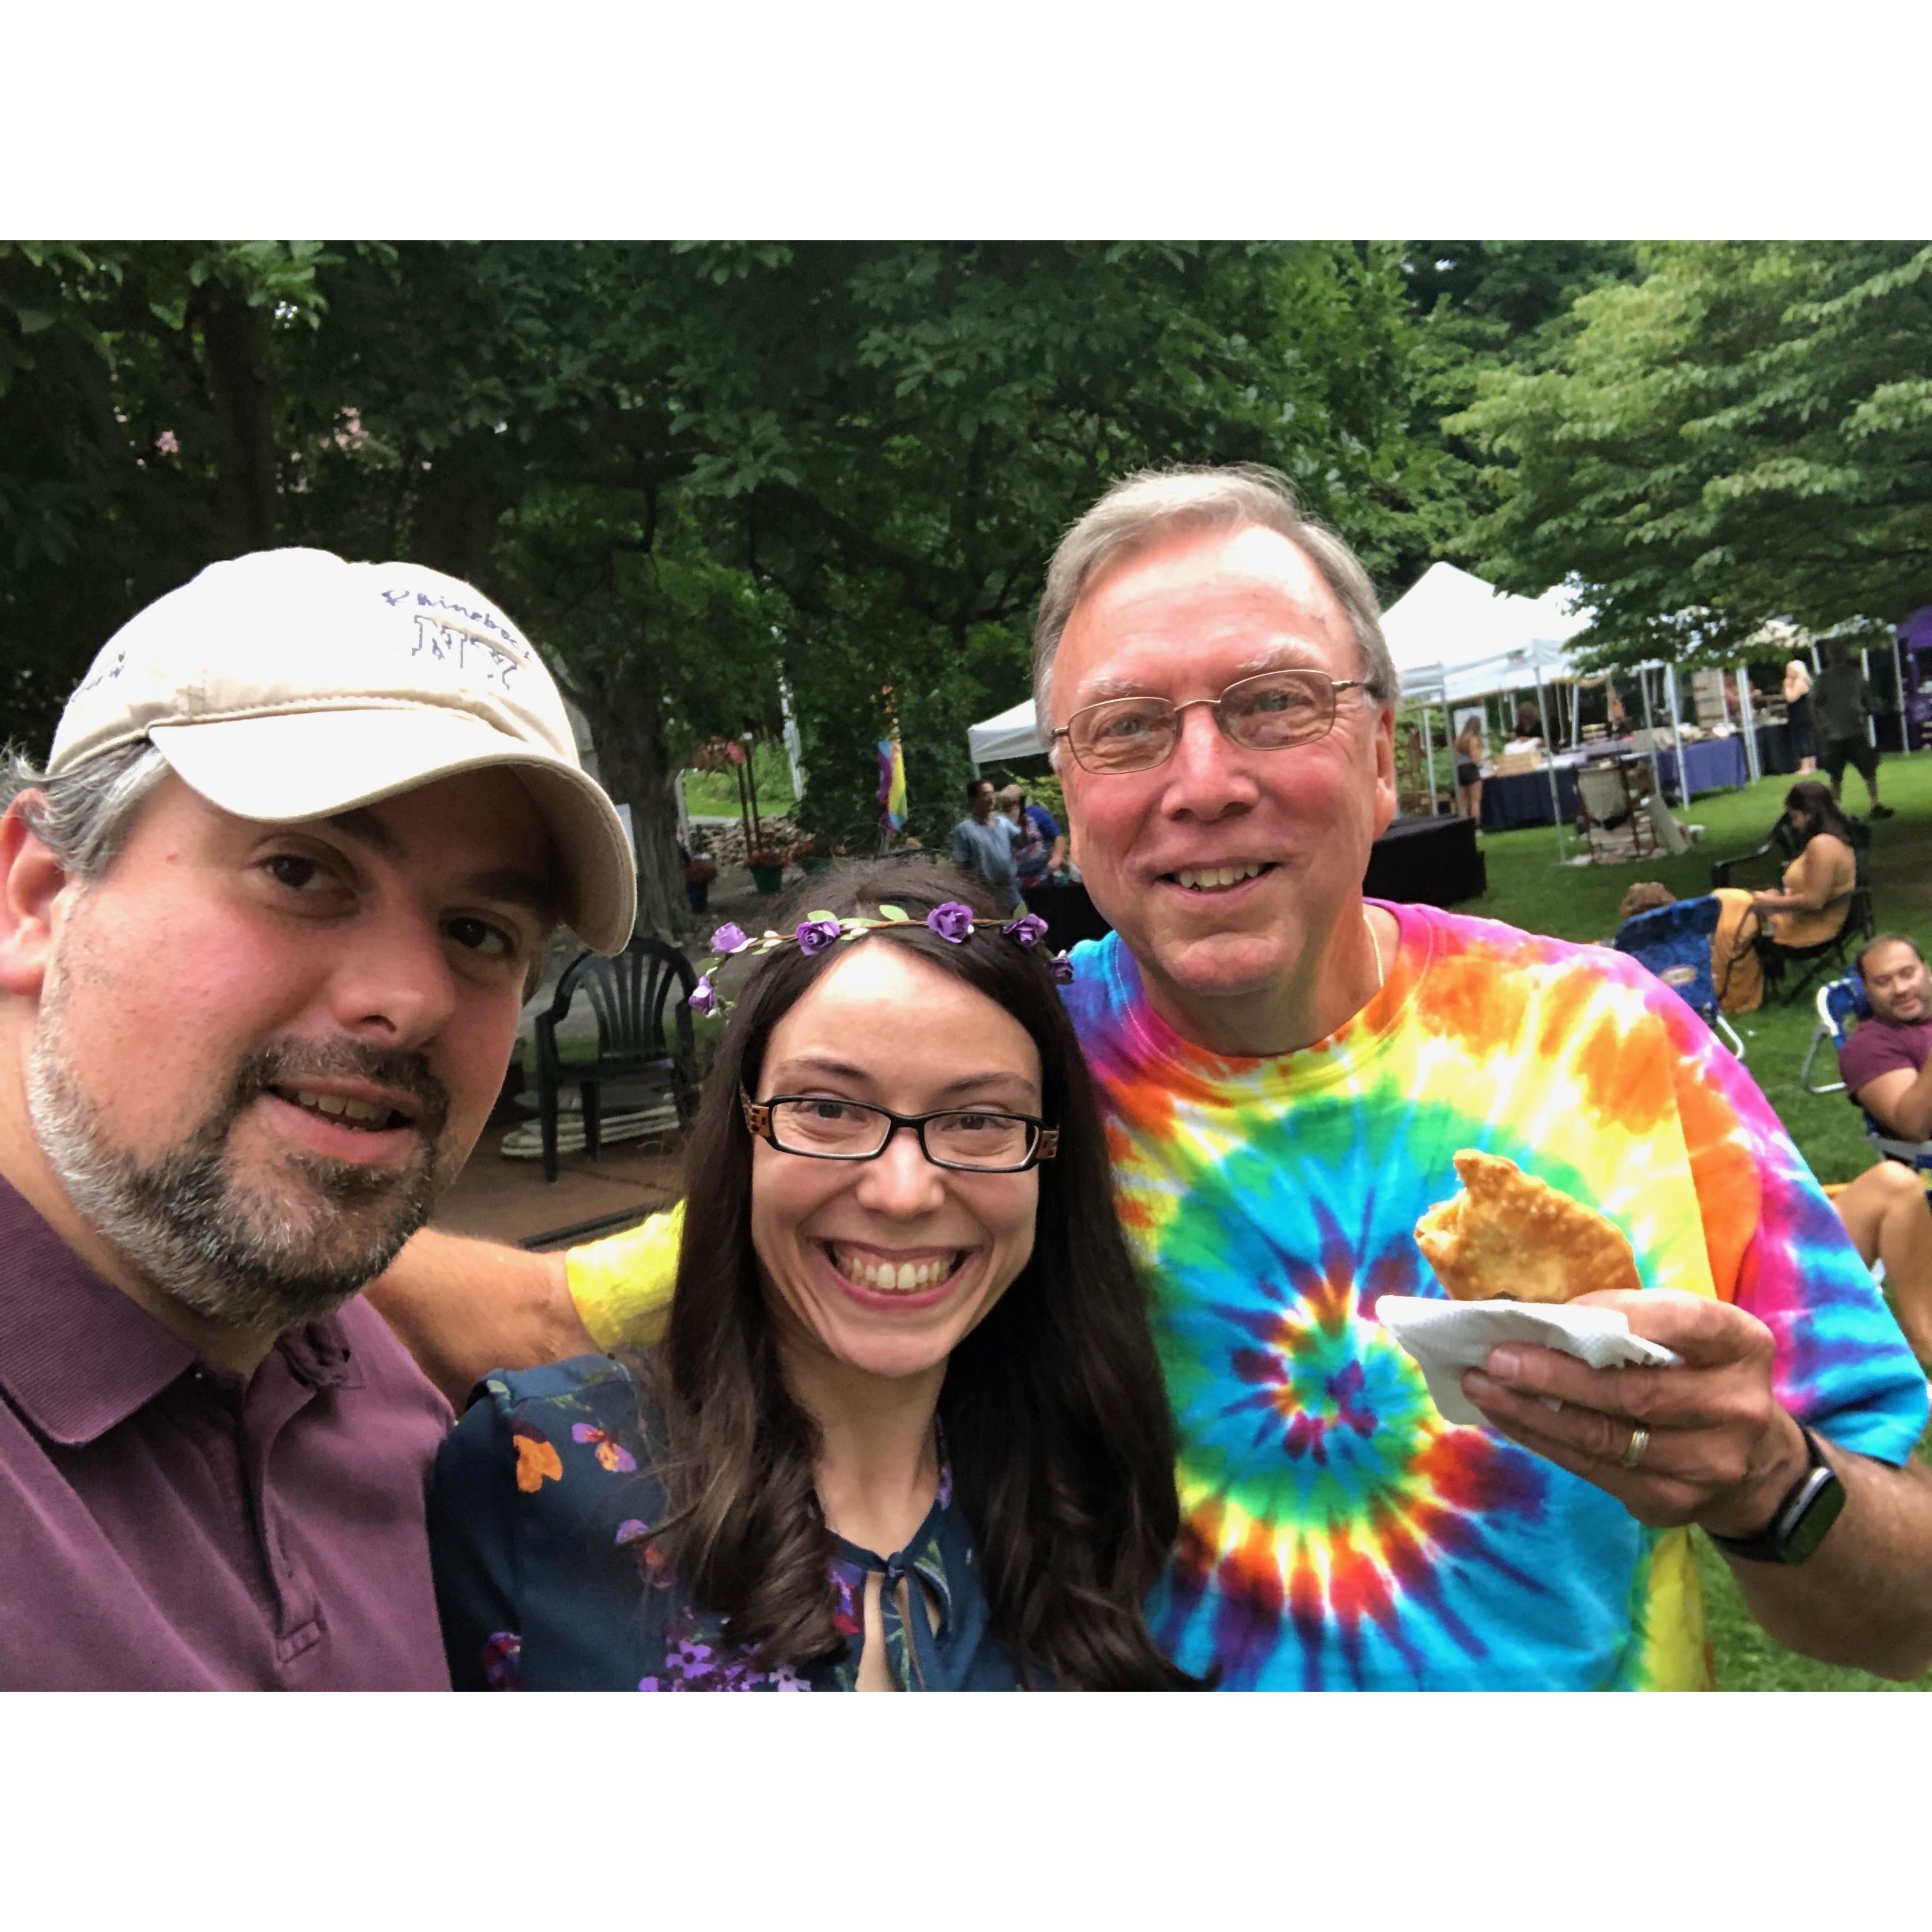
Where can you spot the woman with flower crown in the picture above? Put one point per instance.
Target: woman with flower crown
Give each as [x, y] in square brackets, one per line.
[906, 1428]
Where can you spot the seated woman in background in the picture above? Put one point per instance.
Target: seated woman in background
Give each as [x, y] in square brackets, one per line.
[1808, 907]
[905, 1321]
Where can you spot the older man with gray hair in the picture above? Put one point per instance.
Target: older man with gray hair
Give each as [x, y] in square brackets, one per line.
[1290, 1071]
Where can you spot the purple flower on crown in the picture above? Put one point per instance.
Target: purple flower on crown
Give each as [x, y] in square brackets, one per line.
[730, 938]
[703, 1000]
[952, 921]
[1063, 969]
[1029, 929]
[814, 935]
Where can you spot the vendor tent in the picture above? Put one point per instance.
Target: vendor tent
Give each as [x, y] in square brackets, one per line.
[1013, 734]
[1454, 637]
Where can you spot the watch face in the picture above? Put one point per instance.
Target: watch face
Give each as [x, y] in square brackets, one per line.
[1817, 1512]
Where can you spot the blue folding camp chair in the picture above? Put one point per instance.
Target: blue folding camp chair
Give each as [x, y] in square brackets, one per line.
[1841, 1005]
[1674, 941]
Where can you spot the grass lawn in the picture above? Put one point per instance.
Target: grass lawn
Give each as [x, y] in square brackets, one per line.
[1528, 888]
[714, 794]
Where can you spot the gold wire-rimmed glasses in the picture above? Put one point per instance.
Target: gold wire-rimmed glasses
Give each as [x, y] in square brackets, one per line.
[1270, 713]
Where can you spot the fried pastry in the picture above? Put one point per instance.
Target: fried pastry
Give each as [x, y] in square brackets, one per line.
[1508, 1236]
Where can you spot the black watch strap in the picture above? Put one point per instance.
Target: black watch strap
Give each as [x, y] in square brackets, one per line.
[1810, 1508]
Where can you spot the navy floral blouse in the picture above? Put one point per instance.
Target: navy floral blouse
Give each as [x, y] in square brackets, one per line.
[537, 1521]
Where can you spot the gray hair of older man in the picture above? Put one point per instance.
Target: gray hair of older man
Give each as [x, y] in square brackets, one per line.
[1142, 509]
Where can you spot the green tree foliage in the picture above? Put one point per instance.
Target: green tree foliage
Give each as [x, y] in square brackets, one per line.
[1746, 431]
[1481, 307]
[141, 427]
[687, 468]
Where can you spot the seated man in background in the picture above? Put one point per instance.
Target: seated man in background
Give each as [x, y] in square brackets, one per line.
[1887, 1069]
[267, 922]
[1887, 1063]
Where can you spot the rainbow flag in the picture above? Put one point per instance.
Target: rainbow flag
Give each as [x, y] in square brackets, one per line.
[892, 785]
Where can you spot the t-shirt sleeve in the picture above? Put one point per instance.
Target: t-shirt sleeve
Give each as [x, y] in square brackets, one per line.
[1049, 826]
[1871, 1051]
[472, 1544]
[1779, 1251]
[622, 1285]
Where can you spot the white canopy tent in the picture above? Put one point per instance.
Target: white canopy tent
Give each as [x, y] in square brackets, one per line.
[1013, 734]
[1454, 637]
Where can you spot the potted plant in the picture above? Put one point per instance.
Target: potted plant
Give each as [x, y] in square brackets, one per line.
[806, 855]
[767, 865]
[699, 872]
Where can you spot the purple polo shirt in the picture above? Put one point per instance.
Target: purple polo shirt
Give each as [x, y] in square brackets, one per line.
[1878, 1045]
[166, 1525]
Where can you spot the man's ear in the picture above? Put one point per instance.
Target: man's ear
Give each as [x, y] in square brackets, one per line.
[35, 890]
[1385, 788]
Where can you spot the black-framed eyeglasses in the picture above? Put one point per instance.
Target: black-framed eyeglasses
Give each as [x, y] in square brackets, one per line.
[972, 1139]
[1270, 713]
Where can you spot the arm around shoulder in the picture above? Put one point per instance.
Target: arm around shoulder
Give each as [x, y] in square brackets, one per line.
[464, 1307]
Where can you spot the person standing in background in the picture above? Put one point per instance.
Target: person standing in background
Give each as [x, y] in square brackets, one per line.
[1844, 704]
[1797, 714]
[987, 843]
[1042, 845]
[1472, 747]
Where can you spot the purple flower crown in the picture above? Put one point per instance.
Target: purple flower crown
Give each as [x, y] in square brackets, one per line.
[953, 923]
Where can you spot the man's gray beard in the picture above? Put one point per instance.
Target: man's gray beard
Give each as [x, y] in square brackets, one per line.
[200, 1233]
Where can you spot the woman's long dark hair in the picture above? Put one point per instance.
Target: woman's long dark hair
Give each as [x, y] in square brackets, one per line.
[1053, 1408]
[1820, 811]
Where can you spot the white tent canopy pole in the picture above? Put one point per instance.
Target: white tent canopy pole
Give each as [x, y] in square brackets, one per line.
[1550, 765]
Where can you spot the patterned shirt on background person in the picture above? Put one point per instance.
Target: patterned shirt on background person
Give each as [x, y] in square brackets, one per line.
[1039, 834]
[538, 1517]
[1337, 1532]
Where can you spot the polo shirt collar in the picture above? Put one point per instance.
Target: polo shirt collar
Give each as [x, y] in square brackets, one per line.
[77, 1357]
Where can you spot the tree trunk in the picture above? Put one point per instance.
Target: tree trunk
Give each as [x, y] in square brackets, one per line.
[247, 498]
[626, 714]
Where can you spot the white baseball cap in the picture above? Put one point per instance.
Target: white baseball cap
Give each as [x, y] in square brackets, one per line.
[291, 684]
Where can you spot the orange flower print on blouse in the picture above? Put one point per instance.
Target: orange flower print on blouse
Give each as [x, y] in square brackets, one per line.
[537, 1459]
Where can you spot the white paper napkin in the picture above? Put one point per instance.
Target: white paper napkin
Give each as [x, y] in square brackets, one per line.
[1445, 1337]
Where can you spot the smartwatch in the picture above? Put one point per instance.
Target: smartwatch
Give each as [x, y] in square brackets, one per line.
[1810, 1508]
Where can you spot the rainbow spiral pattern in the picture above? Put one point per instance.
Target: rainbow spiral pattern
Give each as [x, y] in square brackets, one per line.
[1337, 1533]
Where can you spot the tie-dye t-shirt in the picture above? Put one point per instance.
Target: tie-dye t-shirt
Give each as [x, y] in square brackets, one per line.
[1337, 1533]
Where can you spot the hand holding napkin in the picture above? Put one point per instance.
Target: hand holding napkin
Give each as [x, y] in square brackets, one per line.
[1445, 1337]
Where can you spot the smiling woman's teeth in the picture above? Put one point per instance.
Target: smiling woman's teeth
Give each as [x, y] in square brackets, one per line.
[1205, 878]
[886, 1278]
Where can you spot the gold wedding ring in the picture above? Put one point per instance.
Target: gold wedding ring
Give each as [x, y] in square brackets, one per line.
[1639, 1442]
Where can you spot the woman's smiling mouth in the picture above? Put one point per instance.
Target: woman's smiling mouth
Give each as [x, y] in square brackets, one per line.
[895, 1277]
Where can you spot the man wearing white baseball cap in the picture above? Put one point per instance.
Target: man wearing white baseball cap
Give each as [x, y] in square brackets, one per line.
[267, 921]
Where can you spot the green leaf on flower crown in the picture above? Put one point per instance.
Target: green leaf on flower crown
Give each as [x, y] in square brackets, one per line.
[822, 915]
[897, 915]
